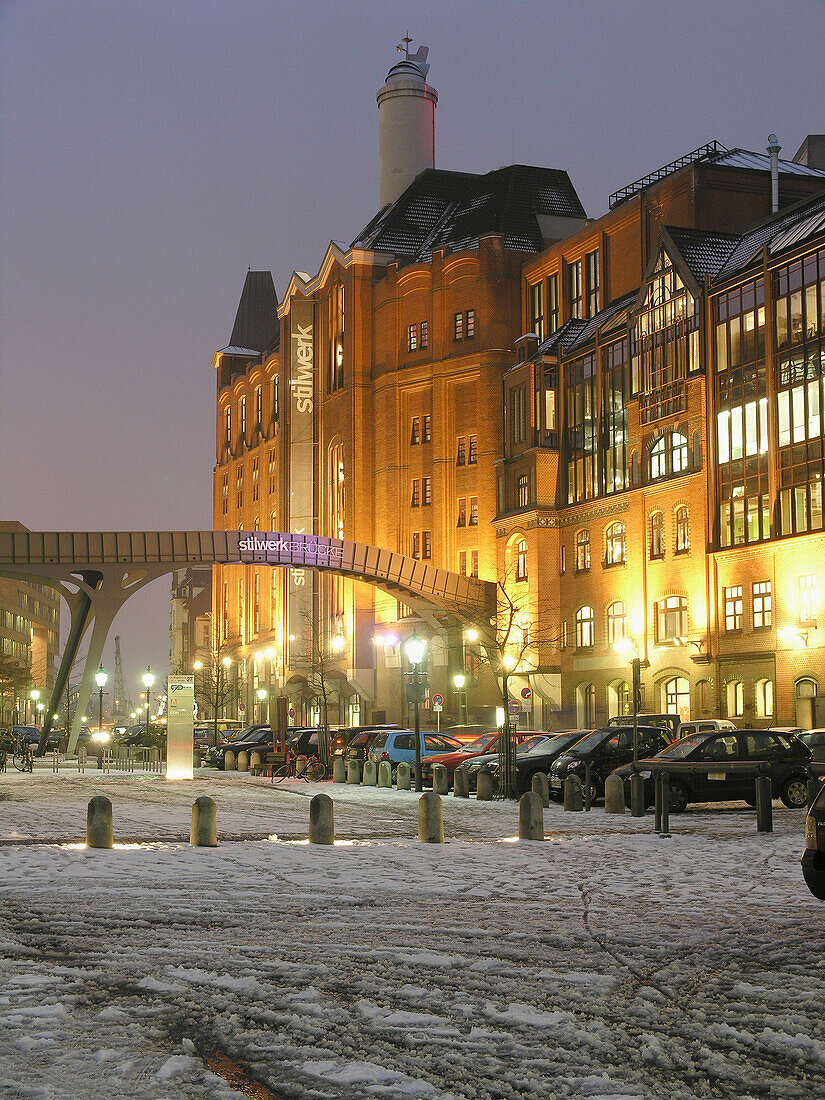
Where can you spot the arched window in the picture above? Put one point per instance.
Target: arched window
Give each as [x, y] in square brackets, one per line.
[668, 455]
[657, 535]
[585, 627]
[521, 560]
[618, 699]
[615, 548]
[586, 706]
[735, 698]
[671, 618]
[658, 459]
[676, 697]
[764, 698]
[616, 622]
[682, 530]
[678, 453]
[805, 688]
[582, 551]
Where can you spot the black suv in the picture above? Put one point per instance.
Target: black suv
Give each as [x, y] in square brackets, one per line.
[252, 739]
[785, 757]
[604, 750]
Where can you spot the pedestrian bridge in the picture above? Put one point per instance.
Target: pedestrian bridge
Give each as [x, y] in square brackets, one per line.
[97, 571]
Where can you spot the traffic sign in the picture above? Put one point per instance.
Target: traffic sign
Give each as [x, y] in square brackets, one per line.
[514, 706]
[437, 708]
[526, 693]
[241, 707]
[438, 700]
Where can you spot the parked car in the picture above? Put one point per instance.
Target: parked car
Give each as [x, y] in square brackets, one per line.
[671, 722]
[541, 757]
[815, 740]
[604, 750]
[813, 860]
[786, 757]
[399, 745]
[341, 738]
[705, 725]
[487, 743]
[252, 739]
[359, 745]
[137, 737]
[468, 732]
[28, 735]
[475, 763]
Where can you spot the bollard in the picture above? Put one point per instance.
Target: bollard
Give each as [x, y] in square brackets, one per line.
[353, 773]
[530, 817]
[441, 779]
[573, 794]
[99, 832]
[484, 786]
[814, 787]
[430, 818]
[255, 763]
[764, 805]
[614, 795]
[229, 761]
[339, 770]
[385, 774]
[403, 775]
[321, 824]
[461, 783]
[369, 778]
[106, 757]
[662, 808]
[204, 831]
[541, 785]
[196, 757]
[55, 761]
[243, 761]
[637, 795]
[587, 790]
[81, 759]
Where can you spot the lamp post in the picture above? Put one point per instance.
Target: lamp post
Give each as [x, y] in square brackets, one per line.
[100, 680]
[460, 680]
[261, 693]
[415, 648]
[34, 695]
[148, 680]
[626, 646]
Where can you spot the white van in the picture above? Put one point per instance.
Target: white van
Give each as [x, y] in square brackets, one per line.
[705, 725]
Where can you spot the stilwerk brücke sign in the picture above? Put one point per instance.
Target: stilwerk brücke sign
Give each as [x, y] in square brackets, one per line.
[289, 548]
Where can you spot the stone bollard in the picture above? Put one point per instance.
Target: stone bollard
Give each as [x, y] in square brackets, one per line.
[99, 832]
[55, 761]
[541, 785]
[369, 779]
[204, 832]
[196, 756]
[441, 779]
[243, 761]
[385, 774]
[430, 818]
[353, 773]
[764, 805]
[229, 761]
[402, 776]
[154, 760]
[573, 799]
[81, 758]
[614, 795]
[484, 786]
[321, 824]
[339, 770]
[461, 783]
[255, 763]
[637, 795]
[530, 817]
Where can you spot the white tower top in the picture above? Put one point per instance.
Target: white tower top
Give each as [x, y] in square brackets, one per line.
[406, 113]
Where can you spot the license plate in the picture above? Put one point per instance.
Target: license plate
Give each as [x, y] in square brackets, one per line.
[716, 775]
[554, 782]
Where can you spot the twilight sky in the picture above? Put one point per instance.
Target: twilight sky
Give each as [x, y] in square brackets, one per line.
[153, 150]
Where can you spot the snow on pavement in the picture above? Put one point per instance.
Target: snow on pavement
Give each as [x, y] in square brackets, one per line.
[604, 963]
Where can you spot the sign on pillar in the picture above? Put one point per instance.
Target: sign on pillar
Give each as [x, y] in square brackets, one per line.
[180, 726]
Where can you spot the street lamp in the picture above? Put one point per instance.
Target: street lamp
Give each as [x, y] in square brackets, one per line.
[415, 648]
[148, 680]
[460, 680]
[100, 680]
[261, 693]
[35, 695]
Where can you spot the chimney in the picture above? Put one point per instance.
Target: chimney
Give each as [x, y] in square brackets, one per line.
[406, 120]
[773, 153]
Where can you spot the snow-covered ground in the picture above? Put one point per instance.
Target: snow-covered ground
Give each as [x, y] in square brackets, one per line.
[604, 963]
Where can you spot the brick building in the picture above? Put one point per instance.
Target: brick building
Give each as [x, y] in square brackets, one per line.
[490, 381]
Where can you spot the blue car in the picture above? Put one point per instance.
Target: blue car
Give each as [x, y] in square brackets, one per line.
[399, 745]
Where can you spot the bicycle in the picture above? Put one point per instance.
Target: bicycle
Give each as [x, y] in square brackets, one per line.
[310, 769]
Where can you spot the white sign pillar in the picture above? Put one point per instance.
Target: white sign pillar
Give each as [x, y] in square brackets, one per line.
[180, 727]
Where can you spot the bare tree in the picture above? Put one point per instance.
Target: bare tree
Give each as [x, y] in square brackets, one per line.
[217, 688]
[321, 669]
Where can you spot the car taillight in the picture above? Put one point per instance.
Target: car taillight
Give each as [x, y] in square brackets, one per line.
[385, 756]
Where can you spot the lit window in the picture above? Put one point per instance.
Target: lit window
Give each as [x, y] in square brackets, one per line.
[678, 452]
[472, 456]
[764, 698]
[735, 698]
[671, 618]
[458, 326]
[428, 545]
[521, 560]
[733, 608]
[762, 605]
[427, 432]
[523, 490]
[474, 563]
[473, 511]
[426, 490]
[416, 493]
[657, 535]
[424, 330]
[582, 551]
[255, 478]
[658, 465]
[415, 434]
[243, 419]
[677, 696]
[682, 530]
[807, 599]
[574, 288]
[537, 310]
[592, 262]
[461, 452]
[259, 406]
[470, 323]
[462, 563]
[615, 544]
[616, 622]
[416, 544]
[412, 337]
[553, 312]
[585, 628]
[462, 512]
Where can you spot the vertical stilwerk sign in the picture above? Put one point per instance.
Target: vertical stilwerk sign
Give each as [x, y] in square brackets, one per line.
[180, 725]
[301, 469]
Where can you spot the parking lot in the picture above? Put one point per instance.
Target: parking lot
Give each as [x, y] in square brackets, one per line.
[605, 962]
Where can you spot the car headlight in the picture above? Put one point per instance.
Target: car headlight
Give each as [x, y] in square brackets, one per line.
[101, 737]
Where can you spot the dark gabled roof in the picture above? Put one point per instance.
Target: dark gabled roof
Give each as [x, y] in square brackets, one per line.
[761, 162]
[704, 252]
[453, 210]
[257, 327]
[563, 338]
[611, 317]
[774, 228]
